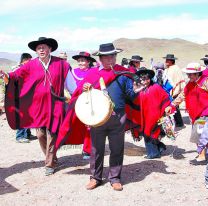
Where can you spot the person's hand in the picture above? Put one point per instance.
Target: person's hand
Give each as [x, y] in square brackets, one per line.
[168, 110]
[86, 86]
[137, 87]
[2, 74]
[67, 99]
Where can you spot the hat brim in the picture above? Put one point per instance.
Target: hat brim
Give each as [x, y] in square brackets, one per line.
[193, 71]
[204, 58]
[76, 57]
[170, 58]
[146, 71]
[135, 60]
[116, 51]
[50, 42]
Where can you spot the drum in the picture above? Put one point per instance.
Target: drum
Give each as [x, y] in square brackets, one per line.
[94, 107]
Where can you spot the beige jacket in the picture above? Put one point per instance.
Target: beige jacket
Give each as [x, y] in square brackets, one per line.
[176, 78]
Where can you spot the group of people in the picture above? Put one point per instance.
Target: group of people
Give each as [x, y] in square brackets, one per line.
[34, 98]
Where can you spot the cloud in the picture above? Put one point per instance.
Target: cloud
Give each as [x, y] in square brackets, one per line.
[167, 27]
[183, 26]
[89, 18]
[23, 6]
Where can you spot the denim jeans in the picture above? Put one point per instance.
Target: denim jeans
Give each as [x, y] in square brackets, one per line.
[23, 133]
[152, 150]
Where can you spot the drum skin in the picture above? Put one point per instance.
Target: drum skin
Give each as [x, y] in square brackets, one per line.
[93, 107]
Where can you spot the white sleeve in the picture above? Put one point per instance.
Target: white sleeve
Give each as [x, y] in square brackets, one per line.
[70, 83]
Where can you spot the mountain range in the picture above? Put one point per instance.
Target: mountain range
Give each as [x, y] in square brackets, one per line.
[185, 51]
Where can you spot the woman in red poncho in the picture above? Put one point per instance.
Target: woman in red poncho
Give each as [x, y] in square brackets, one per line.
[153, 101]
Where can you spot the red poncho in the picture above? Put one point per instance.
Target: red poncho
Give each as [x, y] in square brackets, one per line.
[72, 130]
[196, 99]
[29, 102]
[153, 101]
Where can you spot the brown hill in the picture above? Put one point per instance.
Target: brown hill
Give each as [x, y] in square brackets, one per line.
[6, 64]
[148, 48]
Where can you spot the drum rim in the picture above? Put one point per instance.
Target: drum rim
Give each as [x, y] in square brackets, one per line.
[111, 106]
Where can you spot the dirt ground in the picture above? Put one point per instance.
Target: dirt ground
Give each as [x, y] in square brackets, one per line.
[170, 180]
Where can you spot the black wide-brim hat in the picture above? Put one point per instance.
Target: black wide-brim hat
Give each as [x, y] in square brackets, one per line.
[107, 49]
[205, 58]
[136, 58]
[144, 70]
[170, 57]
[84, 55]
[43, 40]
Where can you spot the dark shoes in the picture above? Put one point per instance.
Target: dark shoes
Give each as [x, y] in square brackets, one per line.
[92, 184]
[161, 147]
[117, 186]
[23, 140]
[196, 162]
[152, 157]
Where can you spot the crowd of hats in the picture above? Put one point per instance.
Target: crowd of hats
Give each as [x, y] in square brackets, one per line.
[110, 49]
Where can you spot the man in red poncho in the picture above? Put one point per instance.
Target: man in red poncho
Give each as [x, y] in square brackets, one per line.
[34, 96]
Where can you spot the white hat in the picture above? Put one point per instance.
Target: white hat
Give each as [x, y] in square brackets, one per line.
[193, 68]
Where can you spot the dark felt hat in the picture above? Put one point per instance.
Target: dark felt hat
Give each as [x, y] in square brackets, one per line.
[205, 57]
[43, 40]
[144, 70]
[107, 49]
[170, 57]
[136, 58]
[84, 55]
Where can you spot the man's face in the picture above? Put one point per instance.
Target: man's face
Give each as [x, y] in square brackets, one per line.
[168, 62]
[43, 51]
[108, 61]
[136, 64]
[193, 77]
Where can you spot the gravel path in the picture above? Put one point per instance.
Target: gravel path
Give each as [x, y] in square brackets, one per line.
[168, 181]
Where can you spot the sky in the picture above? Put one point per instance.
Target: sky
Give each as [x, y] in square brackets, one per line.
[85, 24]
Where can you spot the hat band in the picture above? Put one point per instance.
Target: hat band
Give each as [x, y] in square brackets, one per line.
[107, 52]
[194, 69]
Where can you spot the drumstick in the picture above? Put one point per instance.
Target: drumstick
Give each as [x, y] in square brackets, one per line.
[89, 92]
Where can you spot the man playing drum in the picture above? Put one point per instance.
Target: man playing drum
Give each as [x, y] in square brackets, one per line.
[118, 87]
